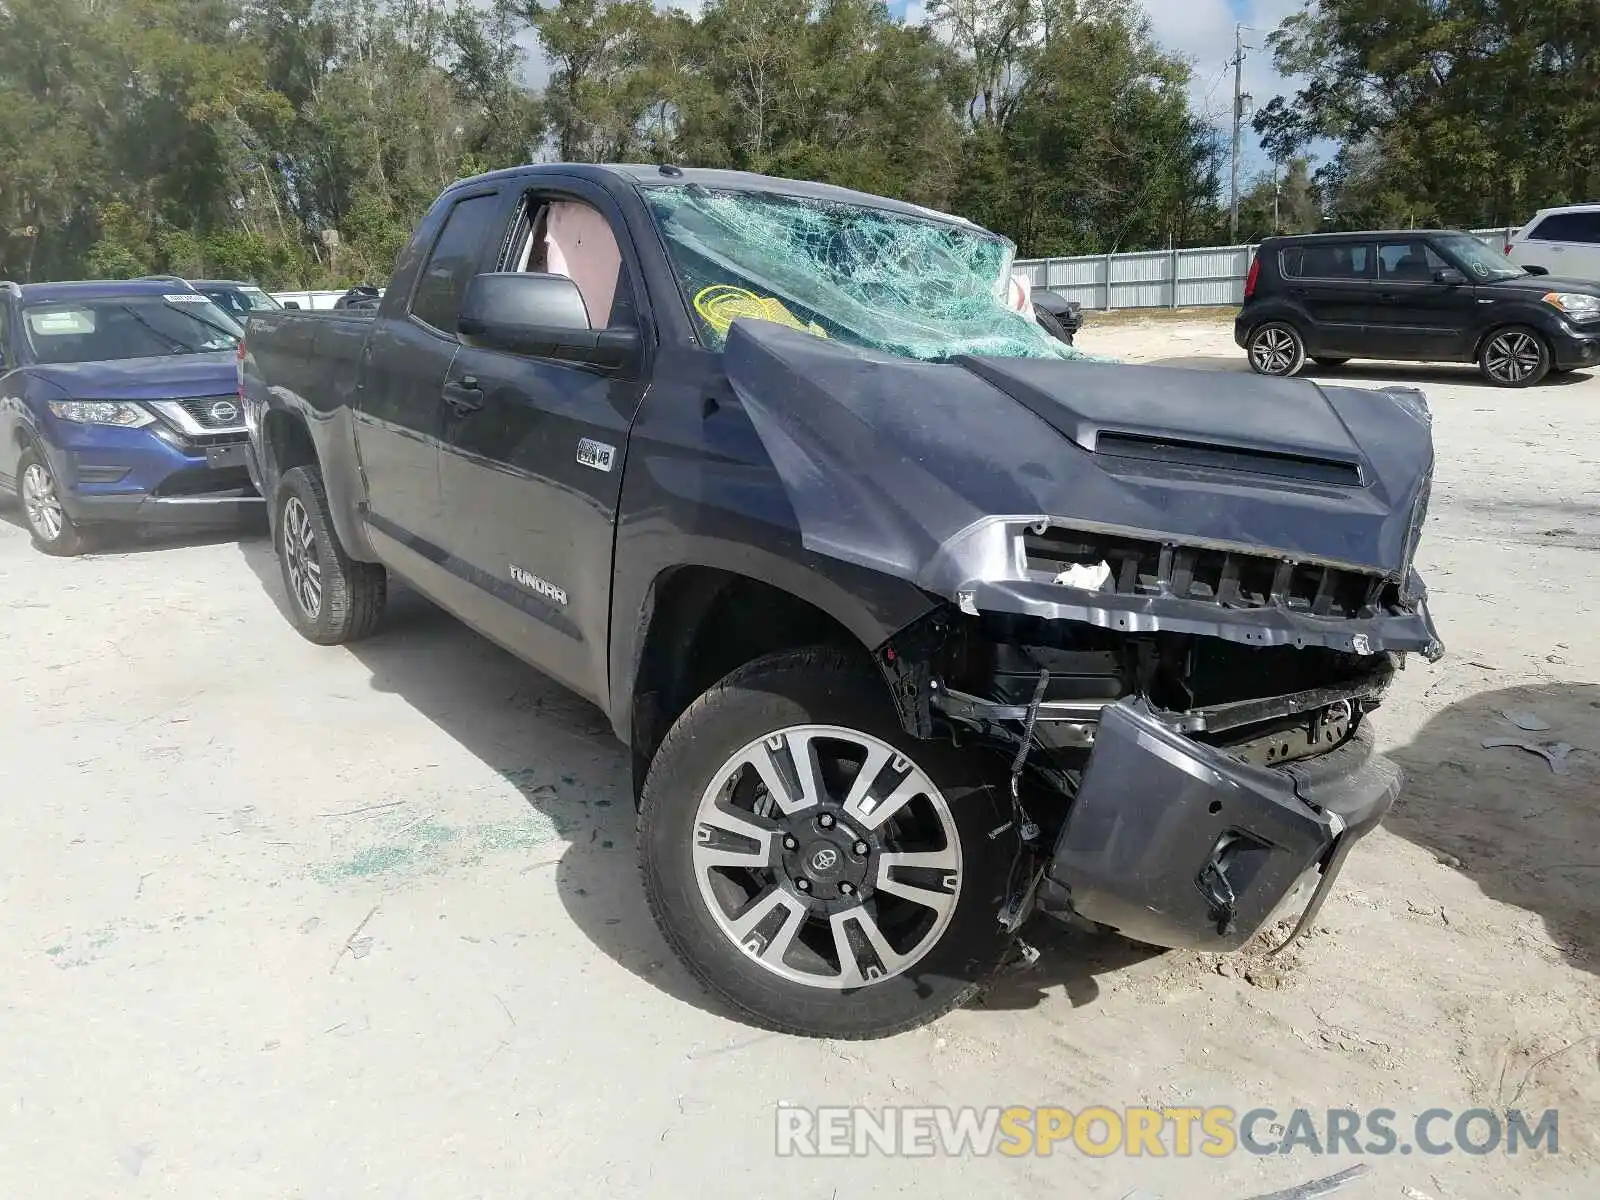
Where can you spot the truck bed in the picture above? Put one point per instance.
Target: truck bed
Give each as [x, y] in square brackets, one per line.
[313, 355]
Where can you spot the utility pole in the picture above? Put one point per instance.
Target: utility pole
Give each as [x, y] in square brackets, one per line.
[1238, 119]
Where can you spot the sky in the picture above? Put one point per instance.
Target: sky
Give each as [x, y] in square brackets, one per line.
[1202, 31]
[1199, 30]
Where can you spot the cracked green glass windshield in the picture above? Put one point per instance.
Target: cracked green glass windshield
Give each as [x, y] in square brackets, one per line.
[874, 278]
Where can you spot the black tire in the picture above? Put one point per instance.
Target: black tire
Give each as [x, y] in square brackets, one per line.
[1332, 364]
[348, 597]
[1276, 348]
[1514, 357]
[39, 496]
[824, 687]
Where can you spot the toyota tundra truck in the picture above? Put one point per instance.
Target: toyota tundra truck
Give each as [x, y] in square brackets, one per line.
[914, 620]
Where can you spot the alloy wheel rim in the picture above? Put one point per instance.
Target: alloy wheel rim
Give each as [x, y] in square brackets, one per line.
[300, 555]
[827, 857]
[42, 505]
[1512, 357]
[1273, 351]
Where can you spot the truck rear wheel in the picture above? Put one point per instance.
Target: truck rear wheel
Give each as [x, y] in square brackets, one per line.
[332, 598]
[815, 866]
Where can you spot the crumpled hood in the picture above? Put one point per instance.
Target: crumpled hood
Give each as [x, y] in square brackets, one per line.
[887, 461]
[176, 377]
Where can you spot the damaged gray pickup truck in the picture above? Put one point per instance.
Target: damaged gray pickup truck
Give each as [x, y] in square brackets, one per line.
[916, 623]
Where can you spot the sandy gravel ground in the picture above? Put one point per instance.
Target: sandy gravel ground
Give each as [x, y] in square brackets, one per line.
[281, 921]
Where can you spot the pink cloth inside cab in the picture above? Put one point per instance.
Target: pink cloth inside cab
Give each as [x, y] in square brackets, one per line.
[580, 245]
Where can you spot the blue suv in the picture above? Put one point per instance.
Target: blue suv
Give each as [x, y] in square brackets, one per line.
[119, 403]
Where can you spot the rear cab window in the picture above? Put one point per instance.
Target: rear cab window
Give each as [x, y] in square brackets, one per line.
[473, 223]
[1330, 260]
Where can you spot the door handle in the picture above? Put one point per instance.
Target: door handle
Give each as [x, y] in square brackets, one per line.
[464, 397]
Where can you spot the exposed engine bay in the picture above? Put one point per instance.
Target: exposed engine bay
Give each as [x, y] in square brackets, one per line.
[1041, 692]
[1187, 846]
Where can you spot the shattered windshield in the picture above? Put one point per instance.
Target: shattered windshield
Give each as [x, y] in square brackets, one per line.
[883, 280]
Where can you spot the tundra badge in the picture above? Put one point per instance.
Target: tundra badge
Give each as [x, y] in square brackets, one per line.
[595, 454]
[541, 587]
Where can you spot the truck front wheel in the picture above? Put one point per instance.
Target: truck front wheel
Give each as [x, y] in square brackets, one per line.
[332, 598]
[815, 866]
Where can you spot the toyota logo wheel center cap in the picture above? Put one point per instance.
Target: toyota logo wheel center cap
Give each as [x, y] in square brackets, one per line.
[823, 860]
[826, 859]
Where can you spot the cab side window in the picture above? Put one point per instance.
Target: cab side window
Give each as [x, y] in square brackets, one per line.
[566, 237]
[7, 362]
[453, 262]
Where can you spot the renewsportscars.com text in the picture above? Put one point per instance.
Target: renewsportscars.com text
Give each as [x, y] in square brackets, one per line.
[1212, 1132]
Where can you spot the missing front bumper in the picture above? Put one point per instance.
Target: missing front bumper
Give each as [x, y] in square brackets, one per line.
[1177, 844]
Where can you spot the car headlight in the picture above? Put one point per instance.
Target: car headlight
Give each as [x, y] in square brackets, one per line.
[1578, 307]
[101, 412]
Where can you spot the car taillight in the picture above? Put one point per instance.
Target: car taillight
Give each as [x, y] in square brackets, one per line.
[1250, 279]
[1508, 247]
[238, 358]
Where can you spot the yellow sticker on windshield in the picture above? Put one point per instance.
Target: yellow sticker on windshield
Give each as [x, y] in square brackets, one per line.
[722, 304]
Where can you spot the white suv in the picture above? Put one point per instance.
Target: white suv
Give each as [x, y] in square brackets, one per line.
[1564, 241]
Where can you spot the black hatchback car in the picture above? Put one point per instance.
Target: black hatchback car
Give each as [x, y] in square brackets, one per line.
[1413, 295]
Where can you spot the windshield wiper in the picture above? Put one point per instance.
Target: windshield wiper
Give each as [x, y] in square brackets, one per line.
[177, 347]
[233, 339]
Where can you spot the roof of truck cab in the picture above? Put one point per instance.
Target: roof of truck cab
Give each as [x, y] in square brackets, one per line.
[668, 175]
[93, 289]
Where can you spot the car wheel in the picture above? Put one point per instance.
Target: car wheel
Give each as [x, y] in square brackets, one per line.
[815, 866]
[48, 524]
[332, 598]
[1514, 357]
[1276, 349]
[1331, 364]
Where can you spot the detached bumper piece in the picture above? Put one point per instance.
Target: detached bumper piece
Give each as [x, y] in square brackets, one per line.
[1178, 844]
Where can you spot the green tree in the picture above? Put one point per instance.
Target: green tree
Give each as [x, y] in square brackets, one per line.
[1453, 112]
[1280, 201]
[1081, 135]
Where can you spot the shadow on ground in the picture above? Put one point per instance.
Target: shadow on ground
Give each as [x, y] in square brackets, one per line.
[1366, 374]
[1524, 834]
[1070, 960]
[526, 726]
[112, 541]
[557, 749]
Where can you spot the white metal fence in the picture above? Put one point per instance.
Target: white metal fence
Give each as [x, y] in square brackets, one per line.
[1204, 277]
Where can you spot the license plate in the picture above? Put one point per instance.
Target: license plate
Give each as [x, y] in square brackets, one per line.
[219, 457]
